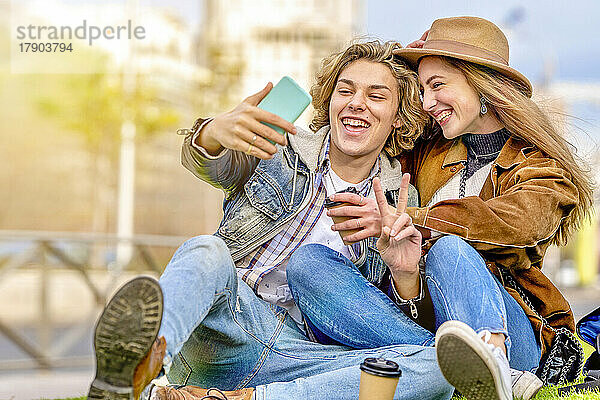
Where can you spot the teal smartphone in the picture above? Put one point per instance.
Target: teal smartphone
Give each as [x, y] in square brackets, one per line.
[287, 99]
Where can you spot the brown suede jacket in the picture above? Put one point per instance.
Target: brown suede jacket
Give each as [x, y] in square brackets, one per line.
[518, 212]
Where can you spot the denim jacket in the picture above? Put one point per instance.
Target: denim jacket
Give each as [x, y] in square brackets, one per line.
[262, 196]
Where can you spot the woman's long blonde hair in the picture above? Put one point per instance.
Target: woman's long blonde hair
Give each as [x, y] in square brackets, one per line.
[410, 111]
[508, 101]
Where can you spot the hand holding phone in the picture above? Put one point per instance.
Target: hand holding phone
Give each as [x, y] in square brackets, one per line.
[257, 123]
[287, 100]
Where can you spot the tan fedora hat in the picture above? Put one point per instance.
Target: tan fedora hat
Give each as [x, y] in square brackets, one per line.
[467, 38]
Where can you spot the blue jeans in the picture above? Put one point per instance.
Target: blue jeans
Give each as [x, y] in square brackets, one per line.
[461, 287]
[220, 334]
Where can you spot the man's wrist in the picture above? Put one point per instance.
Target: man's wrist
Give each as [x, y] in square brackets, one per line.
[414, 304]
[200, 139]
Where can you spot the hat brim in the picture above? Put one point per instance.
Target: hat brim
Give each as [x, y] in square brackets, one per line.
[412, 57]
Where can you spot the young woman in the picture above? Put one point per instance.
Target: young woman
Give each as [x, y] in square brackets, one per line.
[497, 185]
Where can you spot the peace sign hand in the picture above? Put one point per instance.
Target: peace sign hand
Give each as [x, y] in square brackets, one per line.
[400, 242]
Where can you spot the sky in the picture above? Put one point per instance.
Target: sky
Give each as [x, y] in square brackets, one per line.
[565, 34]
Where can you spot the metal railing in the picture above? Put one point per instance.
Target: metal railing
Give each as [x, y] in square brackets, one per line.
[45, 253]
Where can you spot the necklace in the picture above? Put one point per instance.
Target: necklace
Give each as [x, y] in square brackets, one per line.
[328, 175]
[363, 188]
[485, 156]
[463, 183]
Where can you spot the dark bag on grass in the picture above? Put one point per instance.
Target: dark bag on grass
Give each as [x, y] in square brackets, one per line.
[588, 329]
[563, 361]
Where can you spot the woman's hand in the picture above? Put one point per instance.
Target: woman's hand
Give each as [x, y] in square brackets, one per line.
[418, 44]
[364, 215]
[241, 129]
[400, 242]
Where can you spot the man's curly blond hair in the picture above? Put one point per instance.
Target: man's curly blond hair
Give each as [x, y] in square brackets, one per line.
[410, 111]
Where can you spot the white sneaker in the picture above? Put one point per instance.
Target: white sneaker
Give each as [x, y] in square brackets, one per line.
[476, 368]
[525, 385]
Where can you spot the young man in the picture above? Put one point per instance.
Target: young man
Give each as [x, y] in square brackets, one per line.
[229, 320]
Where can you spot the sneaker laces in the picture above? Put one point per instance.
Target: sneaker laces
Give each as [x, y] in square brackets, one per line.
[515, 374]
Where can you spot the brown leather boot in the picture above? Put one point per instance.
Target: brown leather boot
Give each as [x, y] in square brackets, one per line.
[128, 354]
[149, 367]
[197, 393]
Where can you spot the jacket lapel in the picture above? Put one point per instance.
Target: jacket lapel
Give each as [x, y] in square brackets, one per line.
[446, 160]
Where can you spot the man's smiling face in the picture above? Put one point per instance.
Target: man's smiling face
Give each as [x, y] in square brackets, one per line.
[363, 110]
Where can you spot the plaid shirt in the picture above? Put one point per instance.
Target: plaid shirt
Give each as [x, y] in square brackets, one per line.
[275, 253]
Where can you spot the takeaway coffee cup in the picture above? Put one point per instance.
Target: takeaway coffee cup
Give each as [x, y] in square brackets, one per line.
[336, 220]
[378, 379]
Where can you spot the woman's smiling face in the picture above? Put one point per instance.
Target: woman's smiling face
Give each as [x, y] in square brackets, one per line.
[451, 101]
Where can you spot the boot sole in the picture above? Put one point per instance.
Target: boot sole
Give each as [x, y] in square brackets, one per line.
[124, 334]
[465, 366]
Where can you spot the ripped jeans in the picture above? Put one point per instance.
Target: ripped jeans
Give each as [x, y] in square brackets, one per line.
[220, 334]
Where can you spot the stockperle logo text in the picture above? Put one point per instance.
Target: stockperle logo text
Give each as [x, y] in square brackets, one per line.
[83, 31]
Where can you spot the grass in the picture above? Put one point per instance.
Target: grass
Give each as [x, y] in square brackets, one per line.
[551, 393]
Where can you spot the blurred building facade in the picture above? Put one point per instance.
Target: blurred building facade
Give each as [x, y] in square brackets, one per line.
[246, 43]
[236, 47]
[81, 194]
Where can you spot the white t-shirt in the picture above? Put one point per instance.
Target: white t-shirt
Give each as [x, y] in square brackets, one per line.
[274, 287]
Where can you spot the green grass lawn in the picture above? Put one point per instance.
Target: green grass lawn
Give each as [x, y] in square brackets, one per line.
[550, 394]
